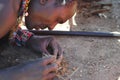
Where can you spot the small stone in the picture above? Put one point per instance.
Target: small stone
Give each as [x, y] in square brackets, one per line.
[118, 26]
[101, 15]
[80, 75]
[104, 66]
[16, 59]
[74, 68]
[98, 29]
[118, 78]
[81, 71]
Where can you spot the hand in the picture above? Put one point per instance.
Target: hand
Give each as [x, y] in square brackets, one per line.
[41, 69]
[46, 45]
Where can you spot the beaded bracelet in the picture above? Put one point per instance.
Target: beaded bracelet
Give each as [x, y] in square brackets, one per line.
[20, 37]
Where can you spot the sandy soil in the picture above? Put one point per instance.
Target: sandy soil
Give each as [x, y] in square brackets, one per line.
[89, 58]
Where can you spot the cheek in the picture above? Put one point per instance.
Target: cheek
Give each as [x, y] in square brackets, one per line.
[28, 23]
[69, 13]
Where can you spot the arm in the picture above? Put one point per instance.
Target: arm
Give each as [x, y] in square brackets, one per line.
[8, 17]
[40, 69]
[7, 74]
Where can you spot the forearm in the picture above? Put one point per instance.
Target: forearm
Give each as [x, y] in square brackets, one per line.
[4, 31]
[7, 74]
[8, 18]
[7, 24]
[12, 73]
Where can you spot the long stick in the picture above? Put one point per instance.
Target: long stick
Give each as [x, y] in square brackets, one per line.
[77, 33]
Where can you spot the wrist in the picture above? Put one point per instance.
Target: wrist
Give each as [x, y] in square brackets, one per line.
[20, 37]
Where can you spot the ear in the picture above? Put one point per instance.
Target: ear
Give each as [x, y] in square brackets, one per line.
[43, 2]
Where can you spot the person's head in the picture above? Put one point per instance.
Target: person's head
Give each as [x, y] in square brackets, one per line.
[47, 13]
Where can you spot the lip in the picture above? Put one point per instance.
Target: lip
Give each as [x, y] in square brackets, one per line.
[41, 26]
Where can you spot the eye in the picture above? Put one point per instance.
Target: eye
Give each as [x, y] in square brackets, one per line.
[43, 2]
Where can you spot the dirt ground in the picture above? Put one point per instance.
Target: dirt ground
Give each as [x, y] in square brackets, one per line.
[89, 58]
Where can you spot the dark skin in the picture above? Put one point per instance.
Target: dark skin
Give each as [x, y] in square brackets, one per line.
[49, 14]
[41, 14]
[41, 69]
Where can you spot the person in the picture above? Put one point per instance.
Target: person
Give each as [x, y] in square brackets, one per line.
[39, 15]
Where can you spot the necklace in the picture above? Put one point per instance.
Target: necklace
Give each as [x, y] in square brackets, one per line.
[18, 36]
[22, 13]
[24, 7]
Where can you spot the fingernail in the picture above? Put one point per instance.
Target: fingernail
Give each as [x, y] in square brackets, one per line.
[54, 57]
[44, 54]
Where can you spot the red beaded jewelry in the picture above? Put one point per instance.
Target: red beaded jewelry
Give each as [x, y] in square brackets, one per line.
[20, 37]
[24, 7]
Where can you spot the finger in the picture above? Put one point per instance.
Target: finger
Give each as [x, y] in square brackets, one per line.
[60, 52]
[50, 68]
[48, 60]
[59, 60]
[60, 55]
[54, 46]
[45, 52]
[55, 51]
[50, 76]
[42, 50]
